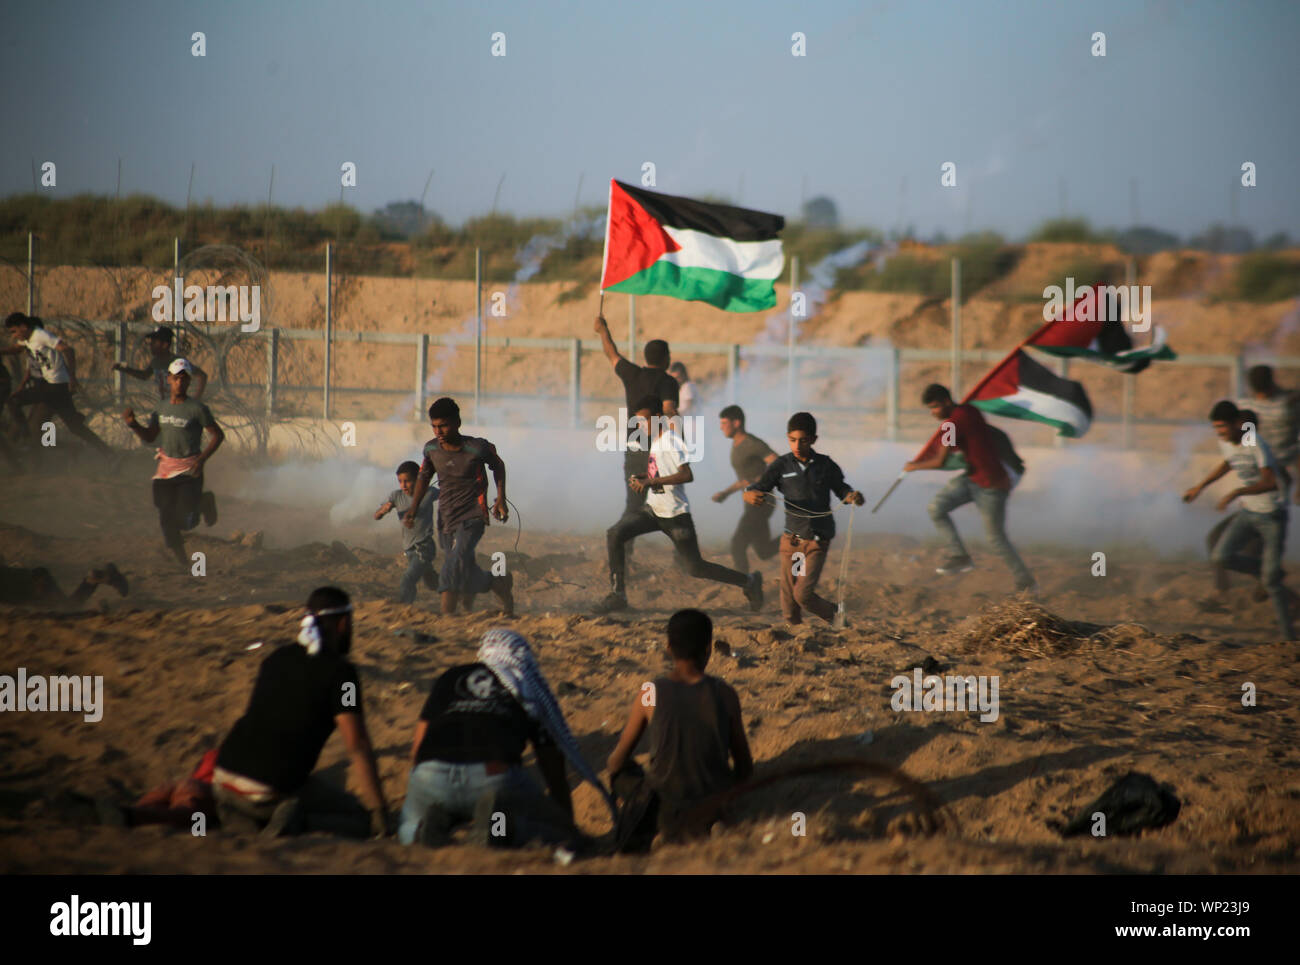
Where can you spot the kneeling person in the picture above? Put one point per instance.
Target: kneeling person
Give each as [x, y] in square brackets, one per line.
[303, 691]
[696, 736]
[467, 755]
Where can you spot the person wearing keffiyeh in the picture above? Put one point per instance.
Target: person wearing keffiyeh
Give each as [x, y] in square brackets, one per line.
[467, 755]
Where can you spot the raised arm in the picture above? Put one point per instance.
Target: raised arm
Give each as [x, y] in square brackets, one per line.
[147, 433]
[607, 341]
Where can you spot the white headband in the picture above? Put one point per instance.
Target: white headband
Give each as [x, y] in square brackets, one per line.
[309, 631]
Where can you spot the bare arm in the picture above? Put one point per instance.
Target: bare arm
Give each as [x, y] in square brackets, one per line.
[607, 341]
[637, 721]
[1216, 474]
[146, 434]
[499, 508]
[384, 509]
[125, 369]
[934, 462]
[421, 728]
[742, 759]
[216, 436]
[421, 487]
[353, 728]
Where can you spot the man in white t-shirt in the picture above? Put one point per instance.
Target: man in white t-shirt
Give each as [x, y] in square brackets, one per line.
[666, 511]
[57, 378]
[1263, 510]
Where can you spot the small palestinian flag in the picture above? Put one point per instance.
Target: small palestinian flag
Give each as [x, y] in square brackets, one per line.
[1021, 388]
[1090, 328]
[656, 244]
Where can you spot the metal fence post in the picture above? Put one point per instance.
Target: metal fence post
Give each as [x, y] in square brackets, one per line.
[329, 321]
[733, 371]
[956, 329]
[272, 365]
[119, 356]
[31, 273]
[478, 333]
[892, 394]
[575, 381]
[631, 329]
[421, 373]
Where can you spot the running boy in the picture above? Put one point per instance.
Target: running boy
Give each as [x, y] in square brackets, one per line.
[667, 511]
[985, 483]
[461, 464]
[160, 357]
[1263, 510]
[806, 479]
[57, 365]
[750, 457]
[1278, 410]
[417, 540]
[178, 424]
[696, 741]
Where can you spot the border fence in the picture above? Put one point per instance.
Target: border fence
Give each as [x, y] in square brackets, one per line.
[880, 413]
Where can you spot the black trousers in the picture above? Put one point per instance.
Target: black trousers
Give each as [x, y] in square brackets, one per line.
[754, 530]
[177, 500]
[57, 396]
[634, 464]
[679, 529]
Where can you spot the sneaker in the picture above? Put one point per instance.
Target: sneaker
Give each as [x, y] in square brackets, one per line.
[115, 579]
[615, 601]
[754, 591]
[208, 507]
[956, 564]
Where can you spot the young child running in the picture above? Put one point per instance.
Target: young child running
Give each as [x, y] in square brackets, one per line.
[806, 479]
[750, 457]
[461, 464]
[1263, 510]
[178, 424]
[666, 511]
[696, 741]
[417, 540]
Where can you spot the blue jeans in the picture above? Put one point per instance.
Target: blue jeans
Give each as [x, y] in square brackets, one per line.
[1271, 528]
[992, 504]
[460, 571]
[455, 788]
[419, 565]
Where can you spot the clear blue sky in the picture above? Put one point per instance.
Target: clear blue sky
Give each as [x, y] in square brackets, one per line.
[708, 91]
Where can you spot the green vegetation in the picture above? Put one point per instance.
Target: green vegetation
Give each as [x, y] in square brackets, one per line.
[1265, 277]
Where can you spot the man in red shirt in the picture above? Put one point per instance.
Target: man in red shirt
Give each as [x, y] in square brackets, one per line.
[986, 483]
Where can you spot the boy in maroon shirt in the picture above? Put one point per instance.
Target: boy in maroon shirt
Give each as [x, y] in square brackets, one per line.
[986, 483]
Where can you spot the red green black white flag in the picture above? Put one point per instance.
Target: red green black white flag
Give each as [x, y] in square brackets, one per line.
[658, 244]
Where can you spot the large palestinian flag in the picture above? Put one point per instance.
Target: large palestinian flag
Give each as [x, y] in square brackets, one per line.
[657, 244]
[1021, 388]
[1090, 327]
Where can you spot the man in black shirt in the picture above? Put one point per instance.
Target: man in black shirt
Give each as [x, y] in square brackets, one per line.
[467, 755]
[303, 690]
[806, 480]
[640, 381]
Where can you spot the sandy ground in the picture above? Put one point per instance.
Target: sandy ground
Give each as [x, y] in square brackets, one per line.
[1155, 686]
